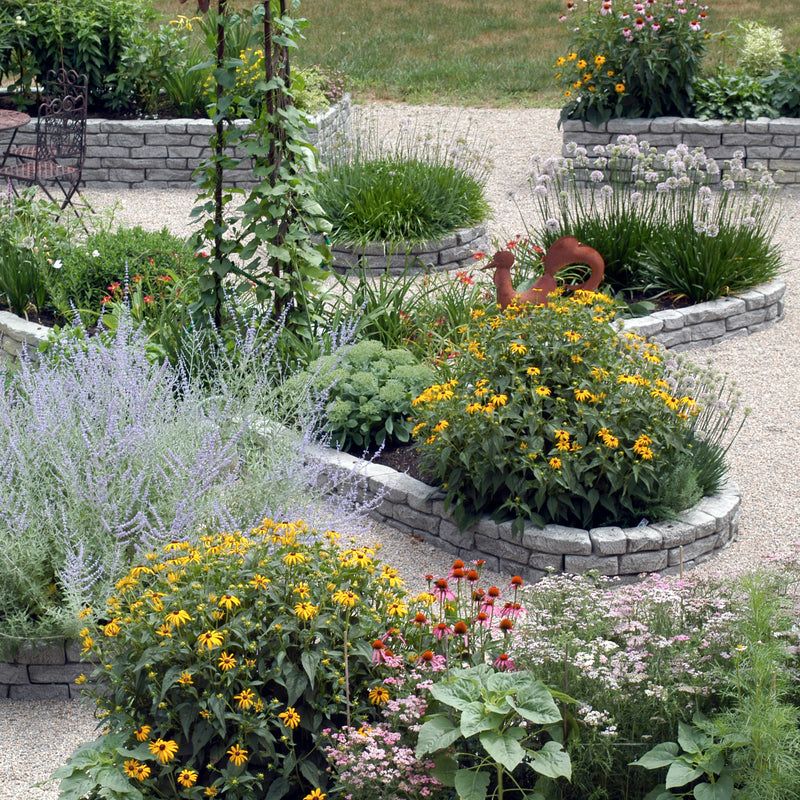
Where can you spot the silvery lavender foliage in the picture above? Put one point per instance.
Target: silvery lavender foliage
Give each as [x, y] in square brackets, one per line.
[104, 454]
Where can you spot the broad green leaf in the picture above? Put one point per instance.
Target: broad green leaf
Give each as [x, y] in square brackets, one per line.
[458, 693]
[471, 784]
[310, 660]
[504, 747]
[476, 718]
[445, 769]
[552, 761]
[535, 703]
[662, 755]
[691, 739]
[435, 734]
[681, 772]
[506, 682]
[721, 790]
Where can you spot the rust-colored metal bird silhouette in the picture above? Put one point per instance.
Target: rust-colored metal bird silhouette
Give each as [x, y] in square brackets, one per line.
[562, 253]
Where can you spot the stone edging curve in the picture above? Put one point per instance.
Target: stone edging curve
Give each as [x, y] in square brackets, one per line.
[413, 507]
[43, 672]
[453, 251]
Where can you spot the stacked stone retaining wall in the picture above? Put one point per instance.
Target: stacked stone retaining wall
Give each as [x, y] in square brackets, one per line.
[775, 143]
[451, 252]
[43, 672]
[163, 154]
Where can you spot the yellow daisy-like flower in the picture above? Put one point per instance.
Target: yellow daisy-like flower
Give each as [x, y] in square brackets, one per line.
[210, 639]
[211, 791]
[259, 581]
[606, 437]
[378, 695]
[187, 777]
[417, 428]
[572, 336]
[238, 755]
[560, 61]
[142, 772]
[303, 590]
[111, 629]
[177, 618]
[571, 56]
[245, 698]
[85, 612]
[581, 395]
[533, 371]
[518, 349]
[141, 733]
[360, 557]
[543, 391]
[185, 678]
[290, 718]
[226, 661]
[391, 576]
[305, 610]
[165, 629]
[317, 794]
[345, 597]
[619, 88]
[568, 93]
[81, 679]
[555, 462]
[599, 61]
[295, 557]
[498, 400]
[228, 601]
[164, 749]
[397, 609]
[441, 425]
[130, 767]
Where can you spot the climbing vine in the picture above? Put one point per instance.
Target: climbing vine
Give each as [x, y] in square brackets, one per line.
[267, 241]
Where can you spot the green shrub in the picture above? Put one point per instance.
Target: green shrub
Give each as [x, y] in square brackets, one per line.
[784, 86]
[88, 36]
[550, 416]
[223, 658]
[107, 261]
[367, 391]
[412, 190]
[732, 95]
[623, 62]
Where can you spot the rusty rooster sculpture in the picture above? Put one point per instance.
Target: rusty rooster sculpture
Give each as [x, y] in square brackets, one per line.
[562, 253]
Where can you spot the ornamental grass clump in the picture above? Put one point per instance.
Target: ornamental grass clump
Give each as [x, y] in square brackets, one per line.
[551, 416]
[221, 658]
[416, 189]
[665, 223]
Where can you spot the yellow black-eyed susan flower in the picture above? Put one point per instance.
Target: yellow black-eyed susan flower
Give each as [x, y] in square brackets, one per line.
[164, 749]
[187, 778]
[210, 639]
[290, 718]
[238, 755]
[378, 695]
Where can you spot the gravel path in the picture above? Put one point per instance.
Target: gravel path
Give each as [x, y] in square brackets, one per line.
[36, 737]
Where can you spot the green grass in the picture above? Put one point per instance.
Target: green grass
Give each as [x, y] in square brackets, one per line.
[462, 52]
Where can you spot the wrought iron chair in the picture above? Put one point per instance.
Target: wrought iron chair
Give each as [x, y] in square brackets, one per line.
[57, 157]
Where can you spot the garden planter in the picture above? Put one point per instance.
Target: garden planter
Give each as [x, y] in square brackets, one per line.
[452, 252]
[771, 142]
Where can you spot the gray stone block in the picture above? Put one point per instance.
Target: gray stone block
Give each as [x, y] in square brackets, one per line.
[785, 125]
[66, 673]
[449, 532]
[753, 317]
[557, 539]
[168, 175]
[765, 151]
[671, 319]
[773, 291]
[13, 673]
[416, 519]
[721, 507]
[31, 653]
[714, 310]
[628, 126]
[608, 541]
[42, 691]
[646, 561]
[674, 534]
[505, 551]
[693, 550]
[705, 141]
[708, 330]
[488, 529]
[754, 298]
[605, 565]
[643, 326]
[760, 125]
[572, 125]
[151, 151]
[127, 176]
[670, 339]
[455, 253]
[641, 538]
[546, 562]
[663, 124]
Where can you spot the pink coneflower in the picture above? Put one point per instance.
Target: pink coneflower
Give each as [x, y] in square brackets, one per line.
[442, 591]
[639, 24]
[694, 25]
[442, 629]
[504, 663]
[656, 27]
[627, 33]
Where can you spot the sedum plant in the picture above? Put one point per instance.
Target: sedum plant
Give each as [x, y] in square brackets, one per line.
[551, 416]
[367, 390]
[220, 657]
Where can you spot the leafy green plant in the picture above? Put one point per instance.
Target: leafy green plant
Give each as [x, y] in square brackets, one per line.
[625, 61]
[367, 391]
[550, 416]
[733, 95]
[97, 271]
[199, 693]
[784, 85]
[761, 47]
[506, 714]
[415, 189]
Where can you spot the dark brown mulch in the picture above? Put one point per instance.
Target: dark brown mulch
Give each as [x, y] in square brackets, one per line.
[403, 458]
[44, 317]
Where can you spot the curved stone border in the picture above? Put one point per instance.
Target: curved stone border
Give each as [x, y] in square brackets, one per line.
[704, 324]
[18, 335]
[454, 251]
[163, 153]
[775, 143]
[413, 507]
[43, 672]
